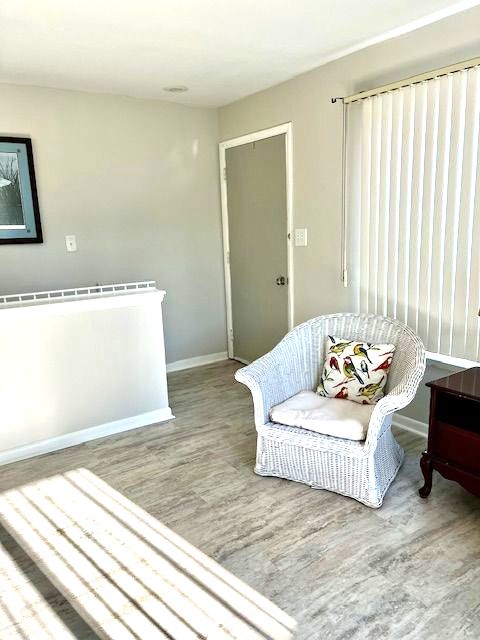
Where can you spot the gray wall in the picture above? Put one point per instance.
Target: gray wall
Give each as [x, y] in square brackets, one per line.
[419, 408]
[317, 129]
[137, 182]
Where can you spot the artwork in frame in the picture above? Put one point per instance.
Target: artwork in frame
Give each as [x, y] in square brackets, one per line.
[19, 212]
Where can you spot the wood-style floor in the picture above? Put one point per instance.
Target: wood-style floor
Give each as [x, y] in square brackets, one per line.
[408, 570]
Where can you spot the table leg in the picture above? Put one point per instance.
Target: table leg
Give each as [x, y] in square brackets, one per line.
[427, 470]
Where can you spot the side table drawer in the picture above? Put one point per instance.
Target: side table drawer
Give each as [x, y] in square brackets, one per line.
[456, 445]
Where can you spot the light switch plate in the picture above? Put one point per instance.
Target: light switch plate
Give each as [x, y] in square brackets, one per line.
[300, 237]
[71, 242]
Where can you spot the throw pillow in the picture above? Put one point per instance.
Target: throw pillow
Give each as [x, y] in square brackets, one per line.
[355, 370]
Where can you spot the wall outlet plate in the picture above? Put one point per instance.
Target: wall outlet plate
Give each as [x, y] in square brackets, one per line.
[301, 237]
[71, 242]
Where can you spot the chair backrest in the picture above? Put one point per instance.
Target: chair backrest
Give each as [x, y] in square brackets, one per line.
[368, 328]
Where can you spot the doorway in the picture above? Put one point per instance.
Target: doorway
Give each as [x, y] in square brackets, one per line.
[256, 179]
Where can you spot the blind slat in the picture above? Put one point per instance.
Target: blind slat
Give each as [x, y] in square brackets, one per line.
[453, 210]
[373, 244]
[394, 208]
[428, 212]
[466, 213]
[363, 255]
[440, 207]
[472, 339]
[405, 202]
[384, 206]
[418, 171]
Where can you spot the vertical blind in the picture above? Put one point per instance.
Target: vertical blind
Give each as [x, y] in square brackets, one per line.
[412, 198]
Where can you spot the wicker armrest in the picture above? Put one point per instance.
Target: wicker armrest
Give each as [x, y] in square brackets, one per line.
[276, 376]
[398, 398]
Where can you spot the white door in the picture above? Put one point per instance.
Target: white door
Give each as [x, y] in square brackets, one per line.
[256, 192]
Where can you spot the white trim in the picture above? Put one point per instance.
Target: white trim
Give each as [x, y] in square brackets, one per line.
[197, 361]
[57, 295]
[65, 306]
[237, 359]
[84, 435]
[409, 424]
[290, 231]
[280, 129]
[431, 18]
[255, 136]
[462, 363]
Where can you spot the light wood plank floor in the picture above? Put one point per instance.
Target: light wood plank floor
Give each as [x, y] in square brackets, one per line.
[408, 570]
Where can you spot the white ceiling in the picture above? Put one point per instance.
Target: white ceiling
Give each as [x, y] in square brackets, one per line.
[221, 49]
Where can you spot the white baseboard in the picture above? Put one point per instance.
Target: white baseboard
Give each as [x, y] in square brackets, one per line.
[197, 361]
[409, 424]
[84, 435]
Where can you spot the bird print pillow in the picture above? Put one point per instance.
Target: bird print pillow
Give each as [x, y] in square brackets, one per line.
[355, 370]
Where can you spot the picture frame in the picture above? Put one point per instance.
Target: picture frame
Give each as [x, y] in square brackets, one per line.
[19, 211]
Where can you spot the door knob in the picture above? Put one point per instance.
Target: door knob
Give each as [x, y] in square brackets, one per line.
[280, 281]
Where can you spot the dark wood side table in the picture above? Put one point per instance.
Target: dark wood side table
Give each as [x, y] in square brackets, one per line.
[454, 431]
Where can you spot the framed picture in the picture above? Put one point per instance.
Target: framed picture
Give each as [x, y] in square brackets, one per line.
[19, 212]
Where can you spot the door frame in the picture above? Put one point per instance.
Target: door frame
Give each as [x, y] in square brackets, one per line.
[286, 129]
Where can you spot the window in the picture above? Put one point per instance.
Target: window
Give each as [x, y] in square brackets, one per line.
[412, 198]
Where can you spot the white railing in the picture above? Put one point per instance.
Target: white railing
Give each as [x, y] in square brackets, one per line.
[78, 292]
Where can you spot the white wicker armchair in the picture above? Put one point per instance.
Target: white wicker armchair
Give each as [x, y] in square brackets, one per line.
[361, 470]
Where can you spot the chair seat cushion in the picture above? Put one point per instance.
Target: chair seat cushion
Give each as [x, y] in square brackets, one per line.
[330, 416]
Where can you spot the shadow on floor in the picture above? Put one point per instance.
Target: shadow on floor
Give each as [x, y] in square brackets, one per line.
[45, 592]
